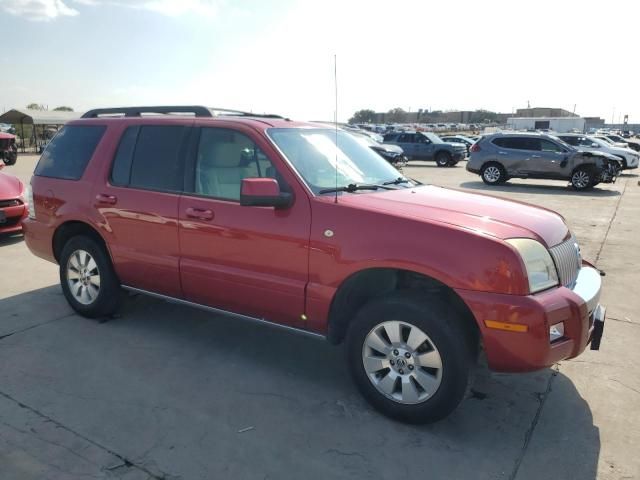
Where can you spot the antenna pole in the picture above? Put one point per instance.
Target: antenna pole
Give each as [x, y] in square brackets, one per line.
[335, 117]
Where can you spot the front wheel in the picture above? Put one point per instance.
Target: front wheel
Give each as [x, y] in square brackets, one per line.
[88, 280]
[443, 159]
[409, 358]
[583, 178]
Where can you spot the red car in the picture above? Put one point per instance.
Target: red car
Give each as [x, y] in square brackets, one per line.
[13, 203]
[271, 220]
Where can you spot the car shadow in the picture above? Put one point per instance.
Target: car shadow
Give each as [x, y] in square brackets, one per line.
[632, 175]
[165, 372]
[10, 239]
[539, 189]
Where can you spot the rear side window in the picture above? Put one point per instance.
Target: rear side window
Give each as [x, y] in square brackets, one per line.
[149, 157]
[68, 154]
[518, 143]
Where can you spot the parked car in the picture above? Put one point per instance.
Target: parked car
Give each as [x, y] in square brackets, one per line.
[427, 146]
[635, 146]
[628, 157]
[391, 153]
[466, 141]
[267, 219]
[8, 149]
[13, 203]
[605, 138]
[501, 156]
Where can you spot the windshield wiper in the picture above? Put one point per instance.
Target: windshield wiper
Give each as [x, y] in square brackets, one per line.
[354, 187]
[397, 181]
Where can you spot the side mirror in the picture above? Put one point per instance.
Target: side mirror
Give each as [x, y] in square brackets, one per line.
[595, 145]
[263, 192]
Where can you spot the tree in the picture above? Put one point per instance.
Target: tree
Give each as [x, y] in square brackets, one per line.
[363, 116]
[395, 115]
[63, 109]
[35, 106]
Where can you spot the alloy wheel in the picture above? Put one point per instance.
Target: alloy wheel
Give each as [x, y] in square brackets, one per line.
[83, 277]
[402, 362]
[580, 179]
[492, 174]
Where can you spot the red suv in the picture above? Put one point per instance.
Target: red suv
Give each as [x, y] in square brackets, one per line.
[302, 226]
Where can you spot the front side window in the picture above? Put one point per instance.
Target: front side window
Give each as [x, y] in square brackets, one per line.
[68, 154]
[225, 157]
[547, 146]
[318, 154]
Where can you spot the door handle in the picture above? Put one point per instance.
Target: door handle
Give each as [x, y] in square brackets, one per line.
[107, 199]
[199, 213]
[502, 153]
[535, 156]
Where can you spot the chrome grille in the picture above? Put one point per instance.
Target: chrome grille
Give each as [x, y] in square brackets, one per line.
[568, 261]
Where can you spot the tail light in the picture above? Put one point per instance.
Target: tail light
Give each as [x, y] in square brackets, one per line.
[475, 148]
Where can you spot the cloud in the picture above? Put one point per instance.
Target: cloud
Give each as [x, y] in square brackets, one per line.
[38, 10]
[45, 10]
[173, 8]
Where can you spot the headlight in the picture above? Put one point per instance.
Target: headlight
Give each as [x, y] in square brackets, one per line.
[29, 199]
[541, 271]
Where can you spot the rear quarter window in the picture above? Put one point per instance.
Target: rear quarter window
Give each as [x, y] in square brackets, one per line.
[68, 154]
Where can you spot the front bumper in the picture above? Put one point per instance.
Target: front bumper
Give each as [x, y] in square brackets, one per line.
[514, 351]
[13, 218]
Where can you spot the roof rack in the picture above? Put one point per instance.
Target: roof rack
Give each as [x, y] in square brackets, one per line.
[198, 111]
[240, 113]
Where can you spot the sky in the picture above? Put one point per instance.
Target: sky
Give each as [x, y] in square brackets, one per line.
[277, 56]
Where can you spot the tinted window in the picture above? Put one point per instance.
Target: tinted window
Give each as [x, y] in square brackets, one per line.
[121, 169]
[69, 152]
[156, 160]
[225, 157]
[406, 138]
[518, 143]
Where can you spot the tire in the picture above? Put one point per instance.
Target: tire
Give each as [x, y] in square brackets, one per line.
[493, 173]
[82, 293]
[10, 160]
[431, 393]
[583, 178]
[443, 159]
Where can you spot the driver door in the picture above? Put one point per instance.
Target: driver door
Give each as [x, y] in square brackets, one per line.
[423, 147]
[548, 160]
[247, 260]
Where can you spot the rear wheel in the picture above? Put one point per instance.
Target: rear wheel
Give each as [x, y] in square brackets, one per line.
[583, 178]
[410, 359]
[88, 280]
[493, 174]
[443, 159]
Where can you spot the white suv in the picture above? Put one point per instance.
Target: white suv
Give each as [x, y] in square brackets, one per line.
[592, 144]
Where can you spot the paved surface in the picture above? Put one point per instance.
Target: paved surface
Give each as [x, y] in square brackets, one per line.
[167, 392]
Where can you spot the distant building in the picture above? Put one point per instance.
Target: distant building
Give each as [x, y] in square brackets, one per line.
[543, 112]
[556, 124]
[593, 122]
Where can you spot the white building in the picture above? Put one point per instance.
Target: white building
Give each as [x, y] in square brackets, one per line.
[556, 124]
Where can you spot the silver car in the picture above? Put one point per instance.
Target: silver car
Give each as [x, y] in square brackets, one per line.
[501, 156]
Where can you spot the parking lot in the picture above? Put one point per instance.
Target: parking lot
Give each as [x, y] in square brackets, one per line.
[168, 392]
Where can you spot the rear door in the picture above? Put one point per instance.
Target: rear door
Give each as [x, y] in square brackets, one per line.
[407, 142]
[513, 153]
[138, 205]
[248, 260]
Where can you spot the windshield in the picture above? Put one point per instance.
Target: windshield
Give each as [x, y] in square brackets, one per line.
[562, 142]
[432, 136]
[313, 153]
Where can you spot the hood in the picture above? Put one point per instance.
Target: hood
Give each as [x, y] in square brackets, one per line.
[476, 212]
[10, 186]
[388, 147]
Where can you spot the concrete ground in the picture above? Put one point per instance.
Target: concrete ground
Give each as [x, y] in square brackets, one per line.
[168, 392]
